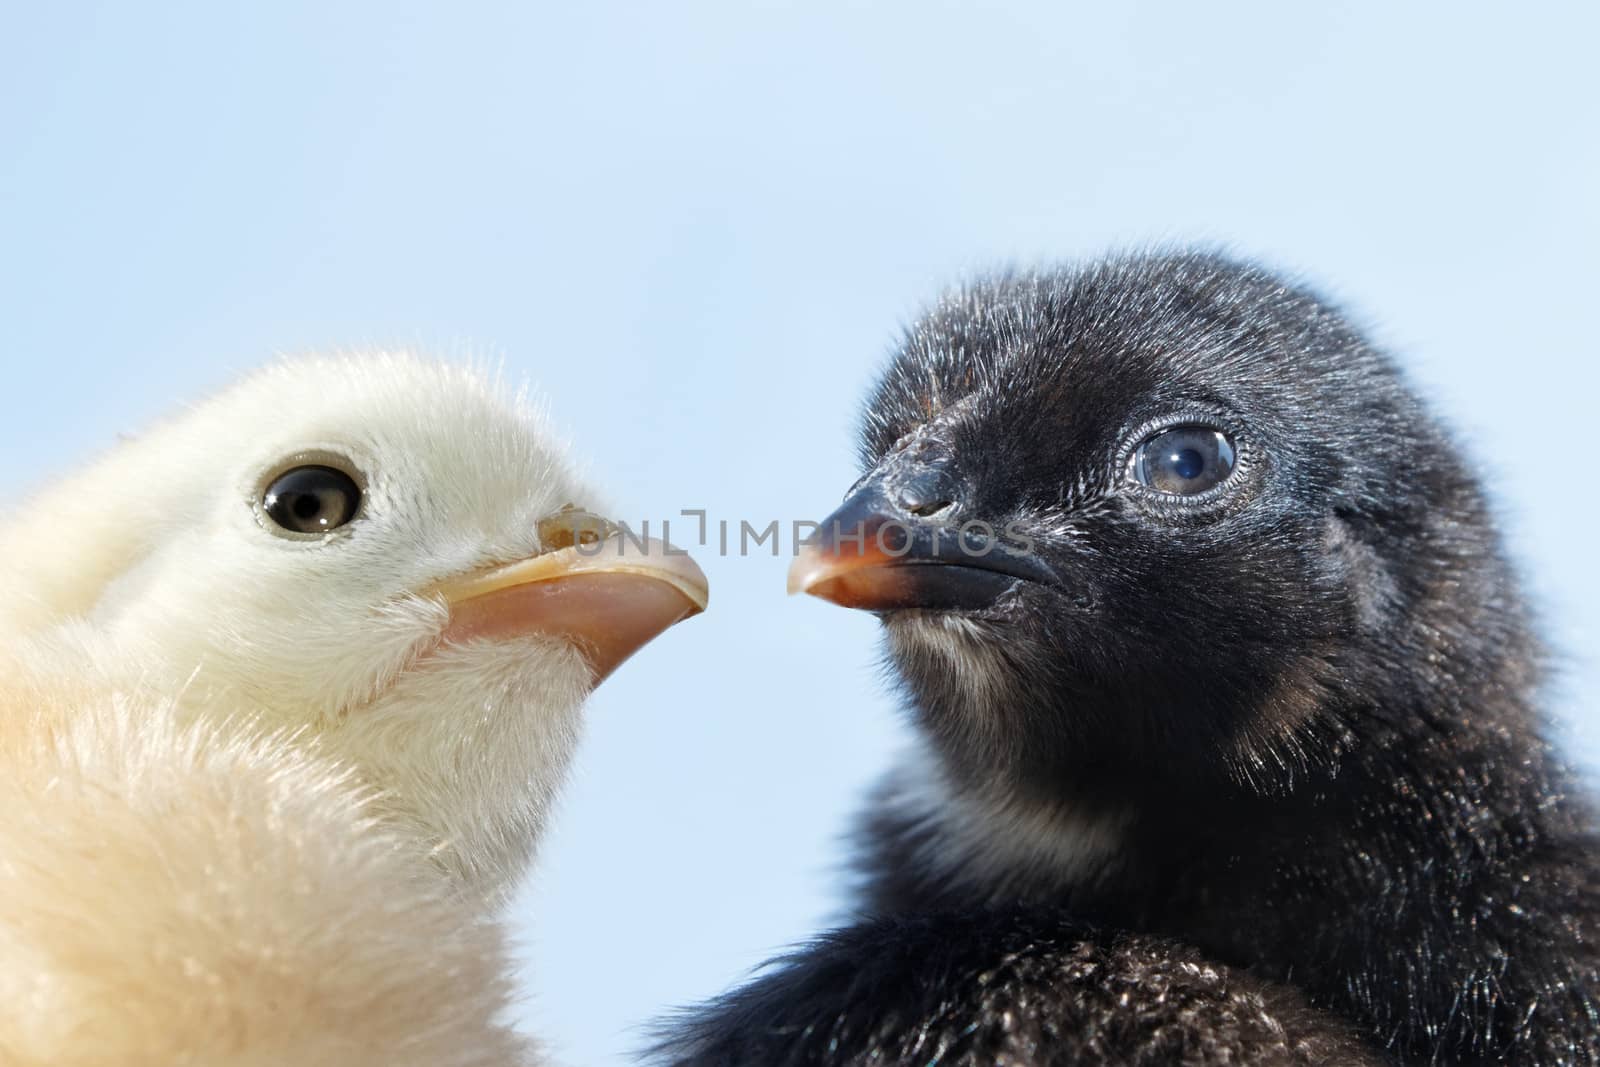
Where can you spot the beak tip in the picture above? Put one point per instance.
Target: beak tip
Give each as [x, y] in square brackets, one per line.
[808, 568]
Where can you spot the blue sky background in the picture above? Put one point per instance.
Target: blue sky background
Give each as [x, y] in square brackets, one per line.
[698, 227]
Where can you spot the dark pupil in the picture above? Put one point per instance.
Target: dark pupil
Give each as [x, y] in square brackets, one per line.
[1184, 460]
[312, 499]
[1188, 463]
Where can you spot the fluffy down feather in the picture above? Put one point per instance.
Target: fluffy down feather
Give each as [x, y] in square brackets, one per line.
[172, 895]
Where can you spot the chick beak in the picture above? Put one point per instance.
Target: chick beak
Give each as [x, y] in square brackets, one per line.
[881, 551]
[609, 597]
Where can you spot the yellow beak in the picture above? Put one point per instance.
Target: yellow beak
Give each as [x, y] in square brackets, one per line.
[609, 597]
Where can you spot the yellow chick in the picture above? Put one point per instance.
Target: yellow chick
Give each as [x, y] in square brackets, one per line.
[289, 685]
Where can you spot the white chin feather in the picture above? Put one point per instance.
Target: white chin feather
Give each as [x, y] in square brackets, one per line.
[988, 836]
[960, 649]
[996, 839]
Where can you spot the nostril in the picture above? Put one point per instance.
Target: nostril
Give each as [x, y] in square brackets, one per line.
[924, 490]
[923, 509]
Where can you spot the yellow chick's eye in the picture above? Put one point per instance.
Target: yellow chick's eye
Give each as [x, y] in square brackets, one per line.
[312, 499]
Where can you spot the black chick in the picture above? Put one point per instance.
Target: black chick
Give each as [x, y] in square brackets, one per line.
[1217, 664]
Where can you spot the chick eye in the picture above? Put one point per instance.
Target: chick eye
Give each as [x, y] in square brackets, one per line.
[1184, 460]
[311, 499]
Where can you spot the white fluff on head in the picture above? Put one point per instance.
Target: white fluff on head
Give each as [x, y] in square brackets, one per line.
[233, 754]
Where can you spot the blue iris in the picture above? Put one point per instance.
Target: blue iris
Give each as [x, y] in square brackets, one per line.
[1183, 460]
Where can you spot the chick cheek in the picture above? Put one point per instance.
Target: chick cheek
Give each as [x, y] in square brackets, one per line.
[607, 616]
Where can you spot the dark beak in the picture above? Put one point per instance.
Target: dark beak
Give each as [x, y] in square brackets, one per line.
[900, 541]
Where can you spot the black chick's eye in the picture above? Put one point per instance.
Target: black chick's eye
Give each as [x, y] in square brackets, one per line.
[312, 499]
[1184, 460]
